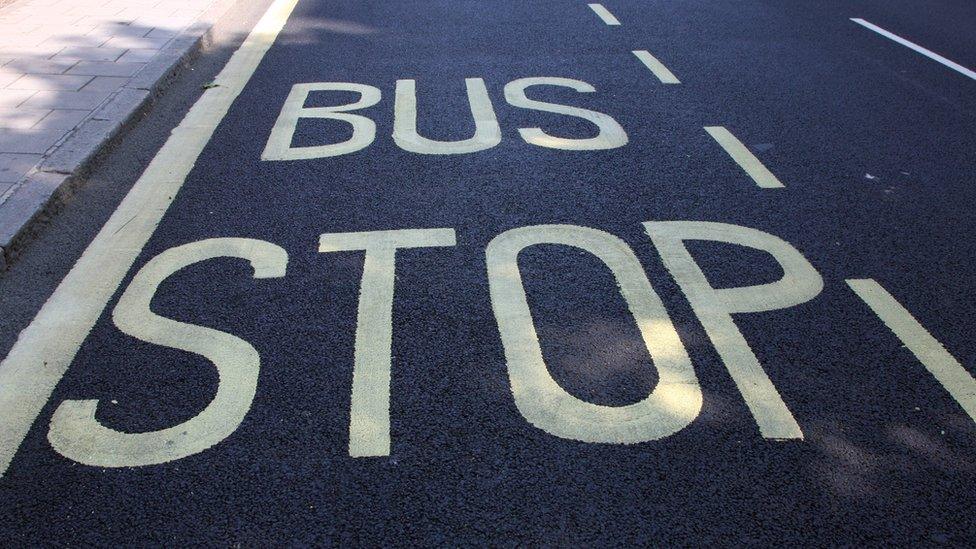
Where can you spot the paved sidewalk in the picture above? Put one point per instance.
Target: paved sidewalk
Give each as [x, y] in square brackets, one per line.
[71, 73]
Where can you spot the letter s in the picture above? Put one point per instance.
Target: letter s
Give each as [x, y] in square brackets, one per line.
[77, 435]
[611, 135]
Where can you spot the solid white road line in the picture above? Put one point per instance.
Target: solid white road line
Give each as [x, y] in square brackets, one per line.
[660, 71]
[907, 43]
[920, 342]
[604, 14]
[46, 348]
[762, 176]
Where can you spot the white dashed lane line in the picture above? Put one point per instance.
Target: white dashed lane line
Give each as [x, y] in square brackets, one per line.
[912, 45]
[604, 14]
[660, 71]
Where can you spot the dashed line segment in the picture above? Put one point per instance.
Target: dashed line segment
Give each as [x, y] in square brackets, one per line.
[738, 151]
[604, 14]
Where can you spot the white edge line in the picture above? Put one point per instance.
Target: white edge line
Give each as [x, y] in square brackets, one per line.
[909, 44]
[45, 349]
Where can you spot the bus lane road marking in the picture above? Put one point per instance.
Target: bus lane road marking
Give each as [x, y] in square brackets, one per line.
[46, 349]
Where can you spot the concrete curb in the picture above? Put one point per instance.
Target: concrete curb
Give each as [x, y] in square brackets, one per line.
[42, 192]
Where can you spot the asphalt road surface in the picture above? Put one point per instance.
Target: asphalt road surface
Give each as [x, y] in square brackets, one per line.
[543, 273]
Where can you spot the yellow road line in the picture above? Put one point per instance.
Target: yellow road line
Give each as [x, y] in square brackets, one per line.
[46, 348]
[759, 173]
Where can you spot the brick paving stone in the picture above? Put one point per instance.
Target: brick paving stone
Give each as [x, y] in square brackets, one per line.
[138, 56]
[29, 141]
[112, 30]
[106, 68]
[22, 118]
[160, 32]
[131, 42]
[8, 77]
[67, 99]
[87, 53]
[40, 51]
[14, 166]
[40, 66]
[105, 83]
[64, 119]
[50, 82]
[11, 99]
